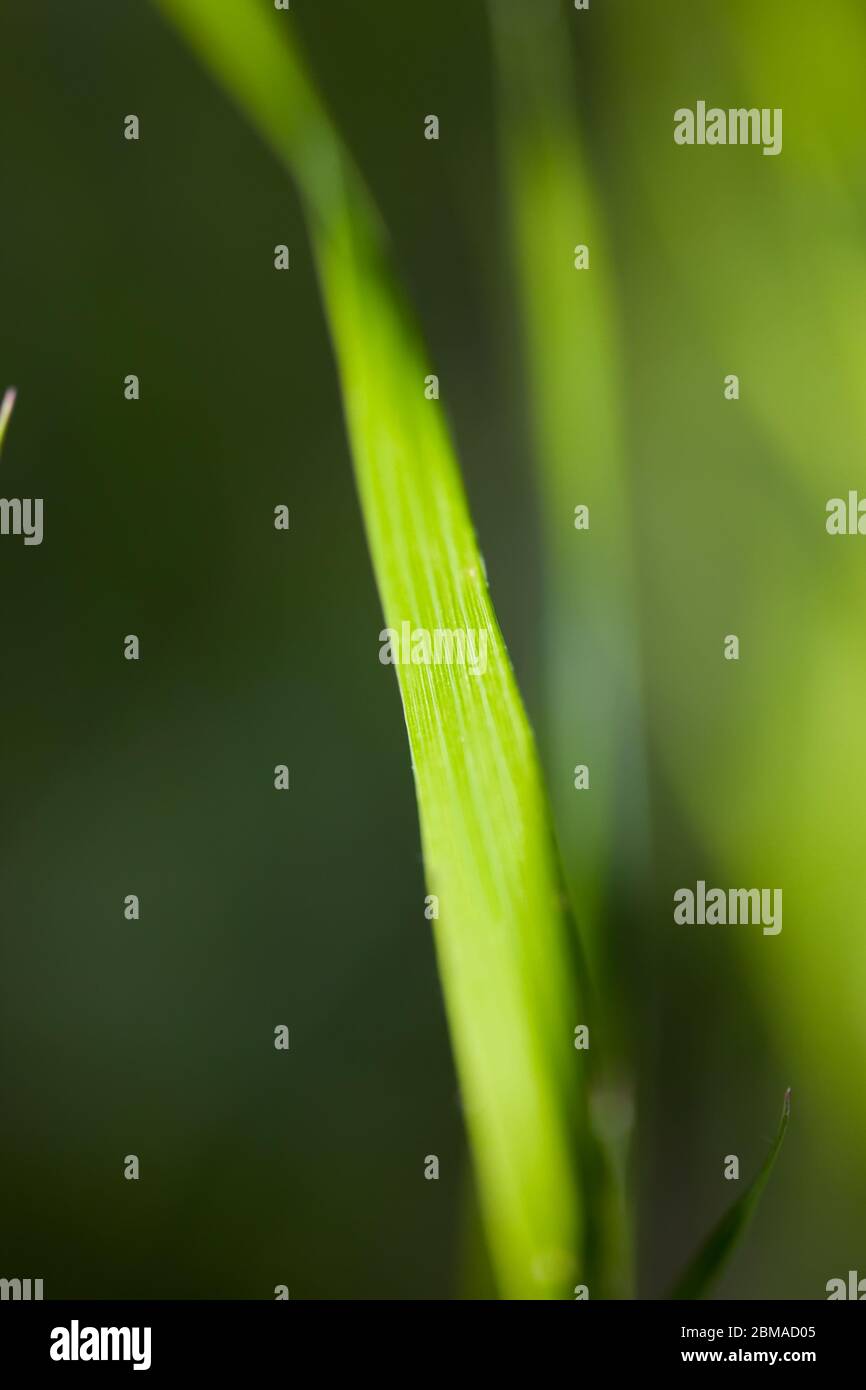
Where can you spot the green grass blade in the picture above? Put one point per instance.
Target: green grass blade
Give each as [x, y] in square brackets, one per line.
[576, 407]
[714, 1254]
[6, 409]
[504, 945]
[573, 358]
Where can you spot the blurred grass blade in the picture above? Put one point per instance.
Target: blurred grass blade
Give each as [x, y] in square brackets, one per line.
[576, 408]
[711, 1259]
[505, 949]
[6, 413]
[573, 358]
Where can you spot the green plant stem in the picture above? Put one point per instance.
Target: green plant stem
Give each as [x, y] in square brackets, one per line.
[6, 408]
[504, 946]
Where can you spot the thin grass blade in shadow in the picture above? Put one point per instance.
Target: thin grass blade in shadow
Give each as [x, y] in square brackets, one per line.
[709, 1263]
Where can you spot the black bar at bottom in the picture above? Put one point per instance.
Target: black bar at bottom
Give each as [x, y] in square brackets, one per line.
[167, 1338]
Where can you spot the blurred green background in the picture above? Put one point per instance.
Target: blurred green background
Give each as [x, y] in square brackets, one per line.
[260, 647]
